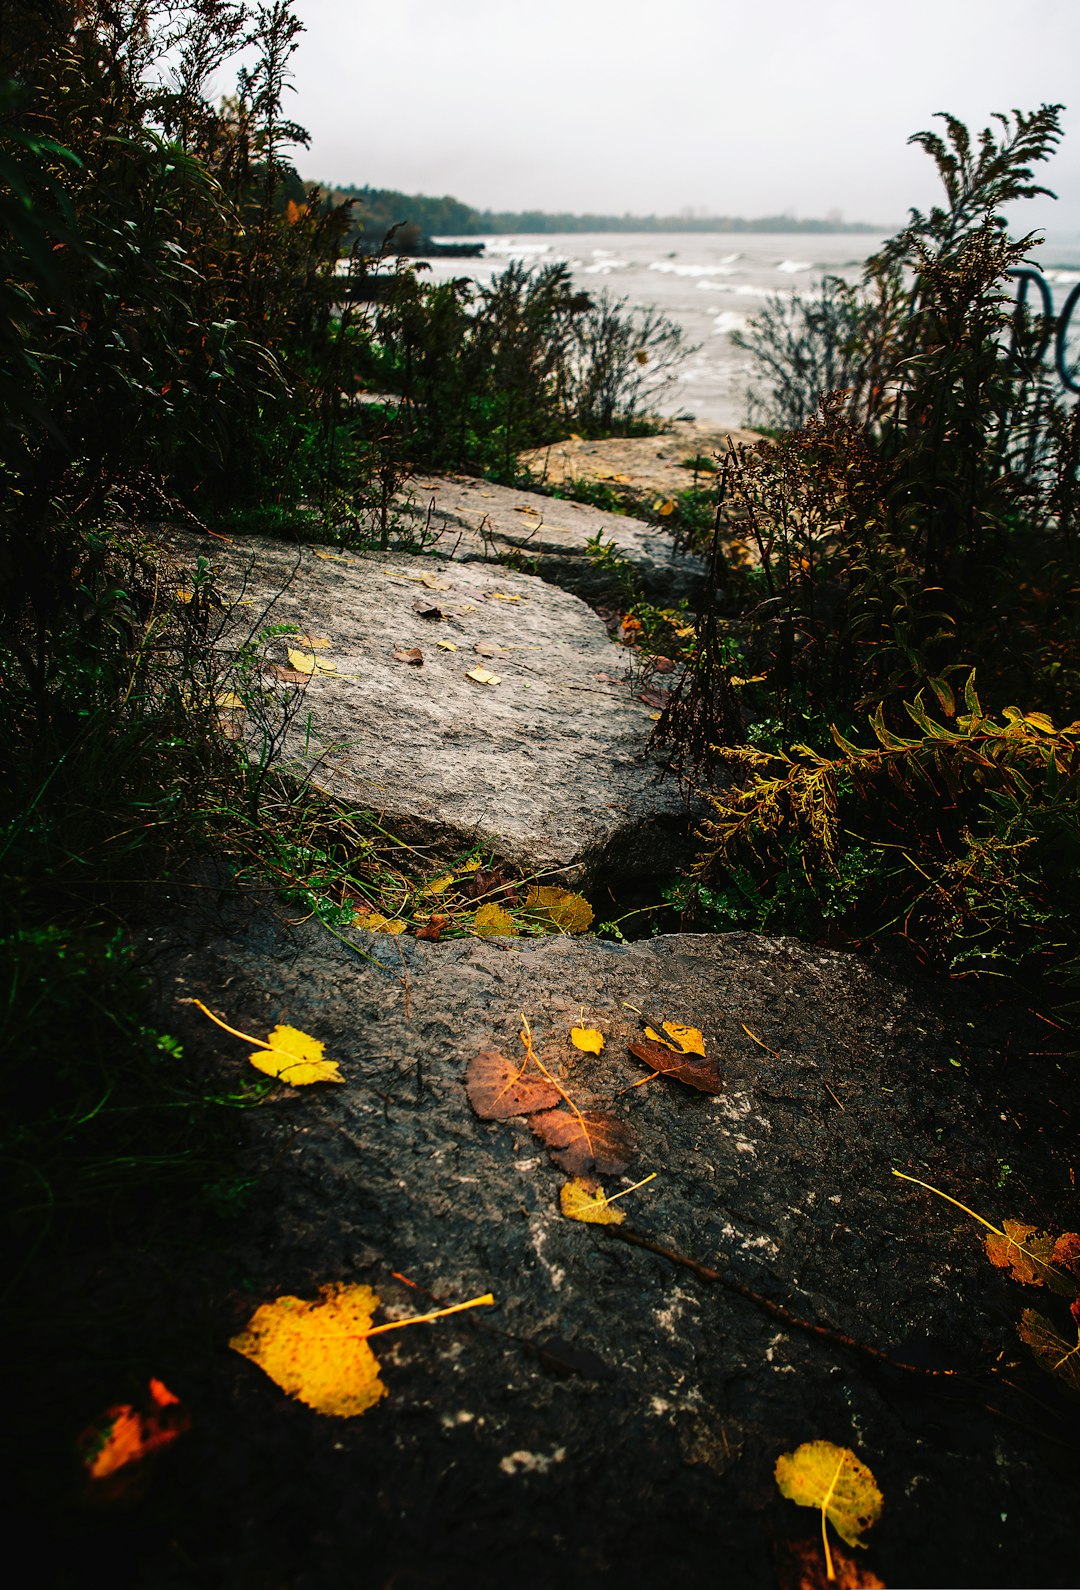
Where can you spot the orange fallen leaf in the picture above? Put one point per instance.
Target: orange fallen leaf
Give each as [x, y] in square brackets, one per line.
[1066, 1253]
[411, 655]
[127, 1434]
[432, 928]
[804, 1569]
[1025, 1251]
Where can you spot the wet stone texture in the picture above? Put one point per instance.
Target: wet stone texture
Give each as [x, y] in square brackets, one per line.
[547, 765]
[615, 1419]
[478, 519]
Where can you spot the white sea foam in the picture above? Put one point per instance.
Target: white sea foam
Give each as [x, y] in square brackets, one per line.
[666, 268]
[727, 321]
[1063, 278]
[714, 287]
[793, 265]
[604, 267]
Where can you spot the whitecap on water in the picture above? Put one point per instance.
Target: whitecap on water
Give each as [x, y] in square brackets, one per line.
[793, 265]
[727, 321]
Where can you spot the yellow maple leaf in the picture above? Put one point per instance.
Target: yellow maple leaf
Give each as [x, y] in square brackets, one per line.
[289, 1054]
[832, 1479]
[294, 1057]
[318, 1351]
[491, 919]
[590, 1040]
[580, 1199]
[683, 1040]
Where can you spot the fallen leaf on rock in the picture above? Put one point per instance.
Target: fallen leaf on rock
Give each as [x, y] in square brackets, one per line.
[524, 508]
[289, 1054]
[1067, 1252]
[686, 1040]
[317, 1351]
[488, 648]
[504, 596]
[588, 1039]
[382, 924]
[427, 610]
[314, 642]
[571, 913]
[580, 1141]
[491, 919]
[805, 1569]
[832, 1479]
[663, 665]
[291, 676]
[483, 677]
[446, 645]
[1050, 1350]
[664, 509]
[699, 1074]
[332, 557]
[309, 665]
[296, 1058]
[1025, 1251]
[127, 1435]
[580, 1199]
[413, 656]
[653, 698]
[228, 701]
[686, 631]
[498, 1089]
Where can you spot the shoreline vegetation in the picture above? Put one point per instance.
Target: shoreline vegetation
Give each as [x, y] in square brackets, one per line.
[877, 693]
[420, 215]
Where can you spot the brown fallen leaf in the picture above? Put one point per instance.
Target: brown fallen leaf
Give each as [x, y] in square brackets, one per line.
[699, 1074]
[432, 928]
[427, 610]
[488, 648]
[663, 665]
[580, 1141]
[653, 698]
[1023, 1250]
[1067, 1253]
[413, 656]
[1050, 1350]
[290, 676]
[314, 642]
[498, 1089]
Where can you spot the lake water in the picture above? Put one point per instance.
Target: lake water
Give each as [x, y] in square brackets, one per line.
[710, 284]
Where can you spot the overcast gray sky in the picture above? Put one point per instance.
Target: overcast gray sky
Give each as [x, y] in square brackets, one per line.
[732, 106]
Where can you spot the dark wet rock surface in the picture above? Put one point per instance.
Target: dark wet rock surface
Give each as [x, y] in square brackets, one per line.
[479, 519]
[615, 1419]
[548, 767]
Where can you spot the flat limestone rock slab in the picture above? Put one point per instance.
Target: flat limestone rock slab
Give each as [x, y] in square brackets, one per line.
[478, 519]
[636, 464]
[548, 767]
[615, 1413]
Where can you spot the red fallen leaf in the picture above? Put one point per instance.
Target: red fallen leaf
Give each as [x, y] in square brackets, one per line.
[591, 1140]
[498, 1089]
[653, 698]
[1067, 1252]
[127, 1435]
[700, 1074]
[413, 656]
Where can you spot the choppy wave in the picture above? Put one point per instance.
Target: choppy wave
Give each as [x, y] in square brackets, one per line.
[793, 265]
[727, 321]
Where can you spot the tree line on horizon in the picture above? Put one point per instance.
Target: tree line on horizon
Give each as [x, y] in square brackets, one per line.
[417, 215]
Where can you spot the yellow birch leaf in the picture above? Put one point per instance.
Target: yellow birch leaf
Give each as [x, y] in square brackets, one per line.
[184, 596]
[317, 1351]
[664, 509]
[228, 700]
[580, 1199]
[832, 1479]
[491, 918]
[332, 557]
[439, 885]
[502, 596]
[472, 865]
[382, 924]
[571, 913]
[1023, 1250]
[446, 645]
[683, 1040]
[588, 1039]
[296, 1058]
[314, 642]
[483, 677]
[305, 664]
[1051, 1351]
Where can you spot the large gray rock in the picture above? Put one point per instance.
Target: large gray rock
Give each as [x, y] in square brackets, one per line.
[548, 767]
[616, 1413]
[477, 519]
